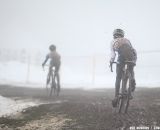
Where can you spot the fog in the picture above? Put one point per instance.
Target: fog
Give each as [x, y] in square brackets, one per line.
[82, 31]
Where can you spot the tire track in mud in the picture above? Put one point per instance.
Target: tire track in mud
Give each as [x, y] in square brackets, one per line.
[135, 117]
[132, 118]
[127, 120]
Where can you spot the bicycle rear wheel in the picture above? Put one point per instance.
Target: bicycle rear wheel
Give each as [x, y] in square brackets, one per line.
[52, 86]
[123, 101]
[57, 86]
[58, 90]
[127, 104]
[122, 104]
[128, 95]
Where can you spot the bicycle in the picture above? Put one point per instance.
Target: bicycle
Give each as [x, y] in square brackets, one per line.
[124, 96]
[52, 80]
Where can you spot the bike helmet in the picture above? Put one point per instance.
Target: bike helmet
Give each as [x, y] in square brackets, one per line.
[52, 47]
[118, 32]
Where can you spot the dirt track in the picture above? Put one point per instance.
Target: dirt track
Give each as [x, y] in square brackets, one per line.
[76, 109]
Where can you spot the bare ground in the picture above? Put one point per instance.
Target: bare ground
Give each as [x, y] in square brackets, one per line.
[76, 109]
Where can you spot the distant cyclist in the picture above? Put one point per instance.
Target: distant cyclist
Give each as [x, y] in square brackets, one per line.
[55, 61]
[126, 52]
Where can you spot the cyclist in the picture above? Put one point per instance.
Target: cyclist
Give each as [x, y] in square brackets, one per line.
[55, 61]
[126, 52]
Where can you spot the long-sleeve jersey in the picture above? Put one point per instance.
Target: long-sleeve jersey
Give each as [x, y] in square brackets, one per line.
[125, 50]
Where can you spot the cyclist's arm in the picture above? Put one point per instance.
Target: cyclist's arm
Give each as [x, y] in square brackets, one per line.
[113, 53]
[135, 54]
[47, 57]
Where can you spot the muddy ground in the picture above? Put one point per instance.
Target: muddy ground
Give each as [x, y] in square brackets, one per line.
[77, 109]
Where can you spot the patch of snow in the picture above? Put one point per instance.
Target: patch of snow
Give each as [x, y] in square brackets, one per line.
[10, 107]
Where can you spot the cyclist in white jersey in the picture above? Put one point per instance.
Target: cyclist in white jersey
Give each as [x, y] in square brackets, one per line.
[126, 52]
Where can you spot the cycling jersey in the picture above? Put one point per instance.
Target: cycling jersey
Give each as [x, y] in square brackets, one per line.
[55, 58]
[125, 50]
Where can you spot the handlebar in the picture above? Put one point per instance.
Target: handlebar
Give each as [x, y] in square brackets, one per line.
[126, 62]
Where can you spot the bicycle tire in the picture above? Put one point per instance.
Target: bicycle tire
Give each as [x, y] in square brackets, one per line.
[128, 94]
[123, 100]
[127, 105]
[58, 90]
[123, 104]
[51, 85]
[51, 92]
[120, 105]
[47, 82]
[54, 87]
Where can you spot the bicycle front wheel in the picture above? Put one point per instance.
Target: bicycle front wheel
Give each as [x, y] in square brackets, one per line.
[122, 104]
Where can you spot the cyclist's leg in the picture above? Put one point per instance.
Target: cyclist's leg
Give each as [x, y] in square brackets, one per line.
[57, 76]
[119, 71]
[49, 75]
[131, 69]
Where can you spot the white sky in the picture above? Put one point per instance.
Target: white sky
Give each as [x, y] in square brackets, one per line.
[78, 27]
[81, 28]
